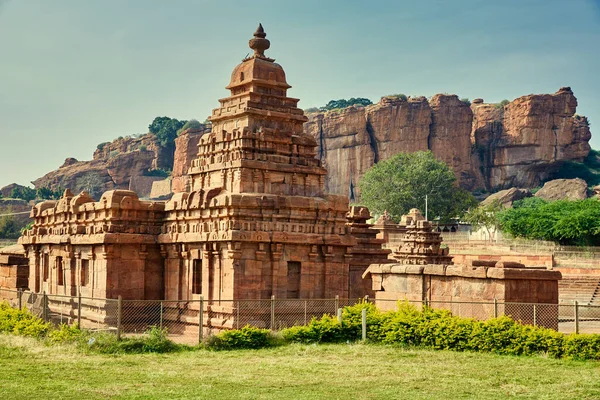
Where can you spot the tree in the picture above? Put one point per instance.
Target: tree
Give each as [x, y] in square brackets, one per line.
[343, 103]
[9, 228]
[23, 192]
[485, 217]
[563, 221]
[165, 129]
[191, 124]
[402, 182]
[46, 193]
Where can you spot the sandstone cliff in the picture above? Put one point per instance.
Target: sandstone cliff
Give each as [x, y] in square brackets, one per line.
[487, 145]
[112, 167]
[186, 149]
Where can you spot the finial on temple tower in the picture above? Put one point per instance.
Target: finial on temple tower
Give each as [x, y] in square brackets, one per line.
[259, 44]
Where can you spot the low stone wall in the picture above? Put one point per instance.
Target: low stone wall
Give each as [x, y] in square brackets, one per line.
[14, 269]
[536, 260]
[501, 281]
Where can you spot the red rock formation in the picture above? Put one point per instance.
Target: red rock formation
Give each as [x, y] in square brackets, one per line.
[488, 146]
[526, 140]
[186, 149]
[112, 167]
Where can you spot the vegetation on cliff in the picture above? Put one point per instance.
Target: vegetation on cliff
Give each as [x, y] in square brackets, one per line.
[165, 129]
[341, 103]
[405, 180]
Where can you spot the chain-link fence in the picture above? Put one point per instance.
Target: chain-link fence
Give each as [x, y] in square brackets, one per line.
[182, 319]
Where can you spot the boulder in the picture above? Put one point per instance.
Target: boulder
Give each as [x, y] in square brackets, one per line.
[564, 189]
[507, 197]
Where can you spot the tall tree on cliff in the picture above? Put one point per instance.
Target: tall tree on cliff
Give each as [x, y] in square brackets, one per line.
[404, 181]
[165, 129]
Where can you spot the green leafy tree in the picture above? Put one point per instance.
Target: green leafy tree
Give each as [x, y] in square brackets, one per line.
[24, 193]
[403, 181]
[165, 129]
[485, 216]
[343, 103]
[9, 229]
[563, 221]
[46, 193]
[191, 124]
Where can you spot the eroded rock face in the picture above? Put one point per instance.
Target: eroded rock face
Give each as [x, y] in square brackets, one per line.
[186, 149]
[162, 158]
[563, 189]
[99, 175]
[113, 166]
[487, 145]
[91, 176]
[537, 133]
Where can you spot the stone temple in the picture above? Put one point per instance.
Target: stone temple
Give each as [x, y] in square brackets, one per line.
[257, 222]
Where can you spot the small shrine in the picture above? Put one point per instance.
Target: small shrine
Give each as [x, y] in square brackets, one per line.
[421, 245]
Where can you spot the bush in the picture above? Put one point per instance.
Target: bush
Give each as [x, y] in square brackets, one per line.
[64, 334]
[155, 341]
[143, 148]
[502, 103]
[246, 338]
[400, 96]
[21, 322]
[158, 172]
[102, 145]
[466, 101]
[327, 329]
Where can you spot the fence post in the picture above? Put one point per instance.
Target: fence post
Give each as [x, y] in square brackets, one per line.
[273, 312]
[45, 306]
[339, 315]
[534, 315]
[20, 294]
[161, 315]
[201, 320]
[576, 316]
[237, 318]
[79, 310]
[364, 324]
[495, 307]
[366, 298]
[119, 315]
[305, 311]
[337, 302]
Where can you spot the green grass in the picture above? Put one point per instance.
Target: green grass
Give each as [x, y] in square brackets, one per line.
[28, 369]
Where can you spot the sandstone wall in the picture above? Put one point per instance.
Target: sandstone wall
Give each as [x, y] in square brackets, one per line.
[487, 145]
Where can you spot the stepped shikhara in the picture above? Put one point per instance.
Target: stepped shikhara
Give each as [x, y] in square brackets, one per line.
[256, 222]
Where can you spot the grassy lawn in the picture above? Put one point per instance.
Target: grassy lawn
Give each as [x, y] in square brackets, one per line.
[28, 369]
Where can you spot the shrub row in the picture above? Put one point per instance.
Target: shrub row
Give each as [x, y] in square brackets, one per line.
[440, 330]
[24, 323]
[21, 322]
[408, 326]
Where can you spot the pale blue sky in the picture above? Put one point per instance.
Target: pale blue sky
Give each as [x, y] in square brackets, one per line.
[75, 73]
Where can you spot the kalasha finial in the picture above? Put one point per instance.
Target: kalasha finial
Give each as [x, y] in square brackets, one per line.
[259, 44]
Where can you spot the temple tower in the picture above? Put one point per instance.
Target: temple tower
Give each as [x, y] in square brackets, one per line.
[257, 222]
